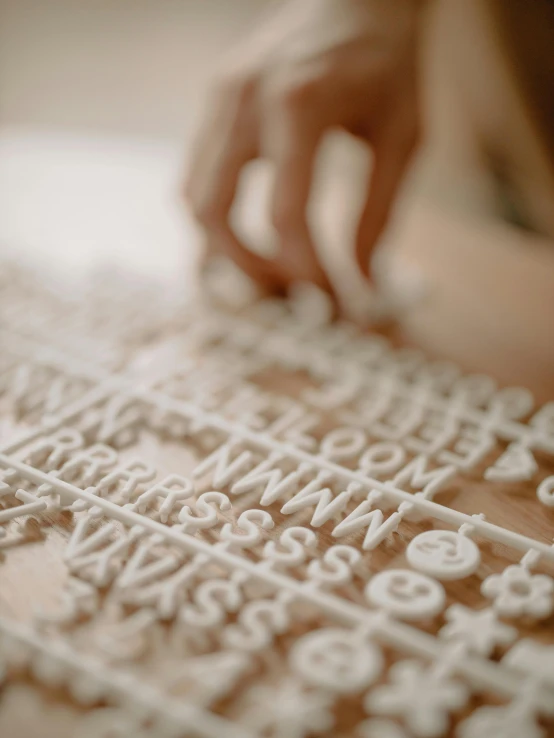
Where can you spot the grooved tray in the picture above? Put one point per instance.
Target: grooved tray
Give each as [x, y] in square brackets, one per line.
[253, 522]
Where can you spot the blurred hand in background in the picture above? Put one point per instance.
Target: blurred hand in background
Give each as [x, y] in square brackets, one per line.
[313, 66]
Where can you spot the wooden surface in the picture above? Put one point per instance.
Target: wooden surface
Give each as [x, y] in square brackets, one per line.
[88, 194]
[32, 573]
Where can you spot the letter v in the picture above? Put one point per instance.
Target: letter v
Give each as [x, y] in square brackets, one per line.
[137, 573]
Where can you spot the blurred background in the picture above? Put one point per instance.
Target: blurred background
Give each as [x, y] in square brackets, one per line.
[117, 67]
[98, 102]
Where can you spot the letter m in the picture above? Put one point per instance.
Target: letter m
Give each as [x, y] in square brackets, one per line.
[416, 476]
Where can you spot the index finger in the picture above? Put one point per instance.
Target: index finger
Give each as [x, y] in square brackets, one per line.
[225, 146]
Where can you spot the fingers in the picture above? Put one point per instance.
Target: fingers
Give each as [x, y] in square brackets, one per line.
[391, 157]
[227, 142]
[295, 116]
[292, 133]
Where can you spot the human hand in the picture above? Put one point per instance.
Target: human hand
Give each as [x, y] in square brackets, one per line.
[314, 66]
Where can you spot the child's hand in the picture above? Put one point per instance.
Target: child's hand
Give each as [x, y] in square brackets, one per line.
[315, 65]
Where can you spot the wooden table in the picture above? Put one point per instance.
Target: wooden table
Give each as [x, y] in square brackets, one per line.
[486, 317]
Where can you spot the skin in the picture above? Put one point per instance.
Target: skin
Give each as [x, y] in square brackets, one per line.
[490, 268]
[314, 66]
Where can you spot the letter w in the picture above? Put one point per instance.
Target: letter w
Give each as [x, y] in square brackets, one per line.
[377, 527]
[271, 479]
[224, 470]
